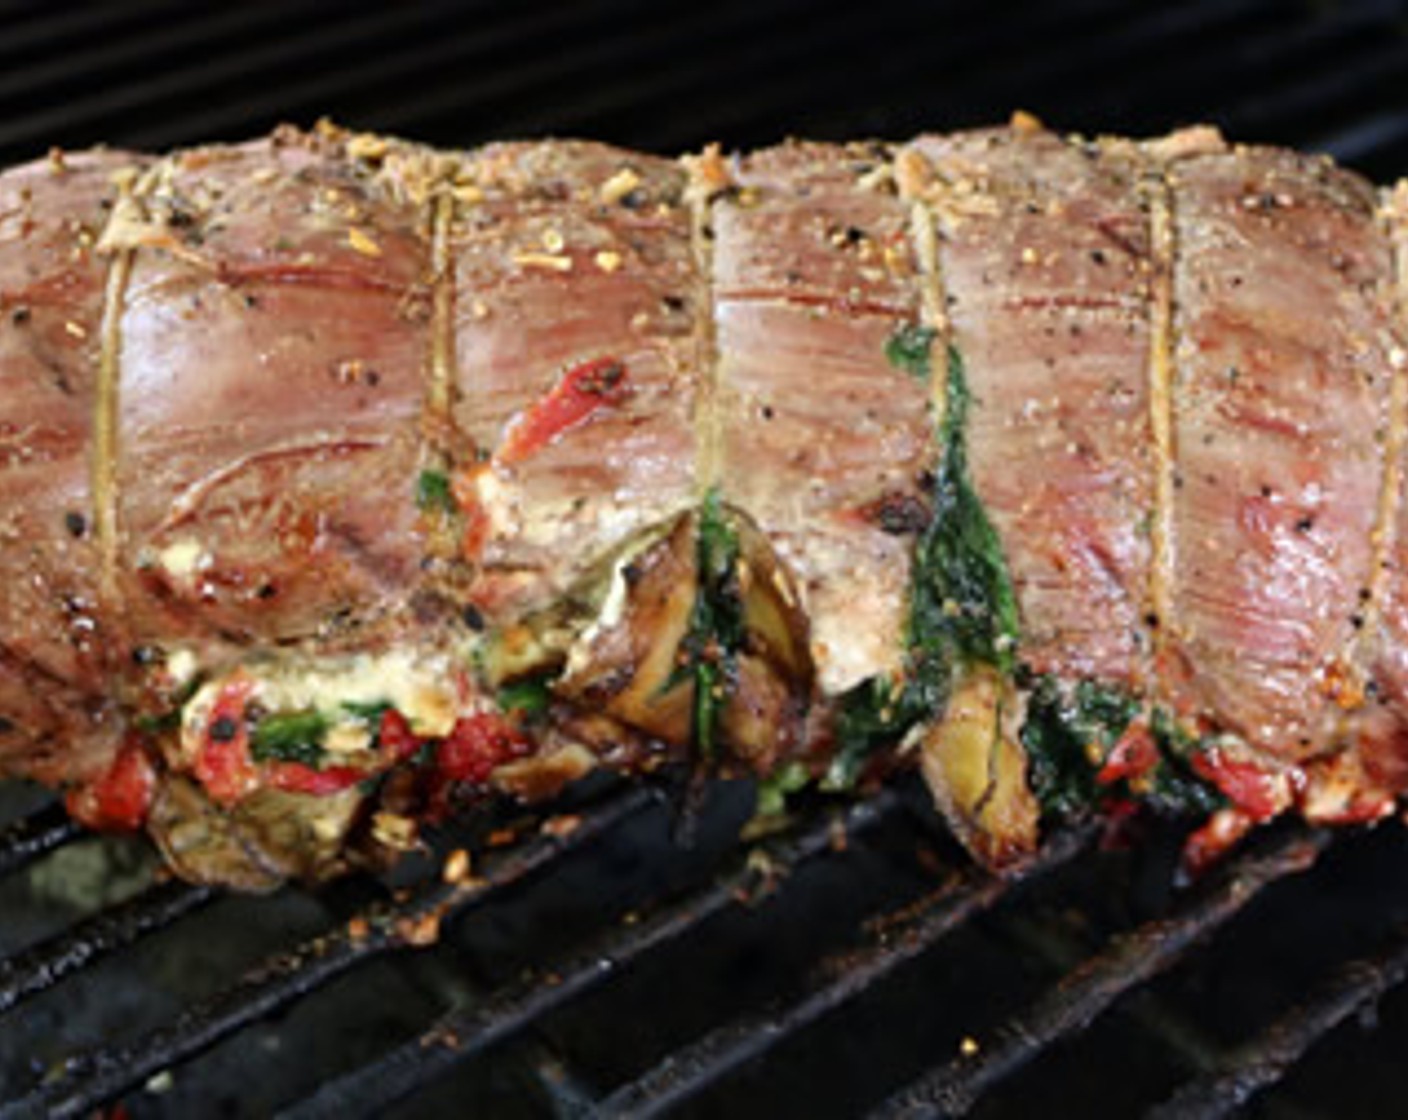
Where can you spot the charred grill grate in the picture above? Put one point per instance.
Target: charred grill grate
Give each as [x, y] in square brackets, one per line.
[754, 880]
[851, 964]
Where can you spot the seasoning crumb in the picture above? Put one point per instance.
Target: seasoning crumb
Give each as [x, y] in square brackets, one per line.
[839, 838]
[502, 838]
[608, 261]
[160, 1083]
[456, 869]
[357, 929]
[77, 330]
[367, 146]
[552, 261]
[561, 826]
[969, 1046]
[619, 186]
[395, 831]
[421, 931]
[553, 241]
[362, 243]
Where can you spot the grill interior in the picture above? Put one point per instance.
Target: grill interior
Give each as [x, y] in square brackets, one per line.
[854, 964]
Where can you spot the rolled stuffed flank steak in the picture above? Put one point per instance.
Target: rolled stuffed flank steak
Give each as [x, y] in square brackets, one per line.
[343, 480]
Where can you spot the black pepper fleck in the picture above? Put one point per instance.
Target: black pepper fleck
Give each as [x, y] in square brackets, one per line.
[472, 618]
[224, 729]
[75, 523]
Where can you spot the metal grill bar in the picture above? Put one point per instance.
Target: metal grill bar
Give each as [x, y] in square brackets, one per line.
[1130, 961]
[36, 835]
[96, 1076]
[109, 104]
[770, 68]
[69, 22]
[1380, 69]
[1171, 83]
[468, 1031]
[760, 46]
[117, 52]
[1365, 138]
[898, 939]
[324, 86]
[1081, 43]
[1263, 1062]
[38, 969]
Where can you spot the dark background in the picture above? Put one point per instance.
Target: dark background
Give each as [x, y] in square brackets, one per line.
[1331, 75]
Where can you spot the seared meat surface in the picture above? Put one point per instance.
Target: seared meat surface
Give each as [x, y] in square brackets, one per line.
[342, 479]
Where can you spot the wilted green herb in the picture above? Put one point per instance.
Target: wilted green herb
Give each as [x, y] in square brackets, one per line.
[289, 737]
[873, 714]
[1057, 734]
[369, 713]
[1059, 730]
[1177, 789]
[962, 608]
[433, 494]
[774, 789]
[908, 349]
[530, 696]
[715, 632]
[962, 603]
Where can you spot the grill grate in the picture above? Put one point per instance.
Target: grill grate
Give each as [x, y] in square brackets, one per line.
[771, 999]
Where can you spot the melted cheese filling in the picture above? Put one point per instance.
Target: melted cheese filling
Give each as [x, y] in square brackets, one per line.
[432, 690]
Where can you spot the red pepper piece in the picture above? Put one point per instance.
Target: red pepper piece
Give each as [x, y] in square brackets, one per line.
[224, 766]
[294, 777]
[1258, 793]
[1134, 754]
[474, 517]
[398, 741]
[478, 745]
[1213, 839]
[121, 799]
[582, 391]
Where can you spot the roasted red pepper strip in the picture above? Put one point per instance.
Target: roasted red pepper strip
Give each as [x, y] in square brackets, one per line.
[121, 798]
[478, 745]
[224, 766]
[1259, 794]
[294, 777]
[474, 517]
[1133, 755]
[582, 390]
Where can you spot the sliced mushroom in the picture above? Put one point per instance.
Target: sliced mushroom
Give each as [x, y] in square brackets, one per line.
[266, 839]
[977, 771]
[624, 665]
[633, 663]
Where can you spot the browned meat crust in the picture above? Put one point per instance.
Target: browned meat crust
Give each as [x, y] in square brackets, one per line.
[338, 474]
